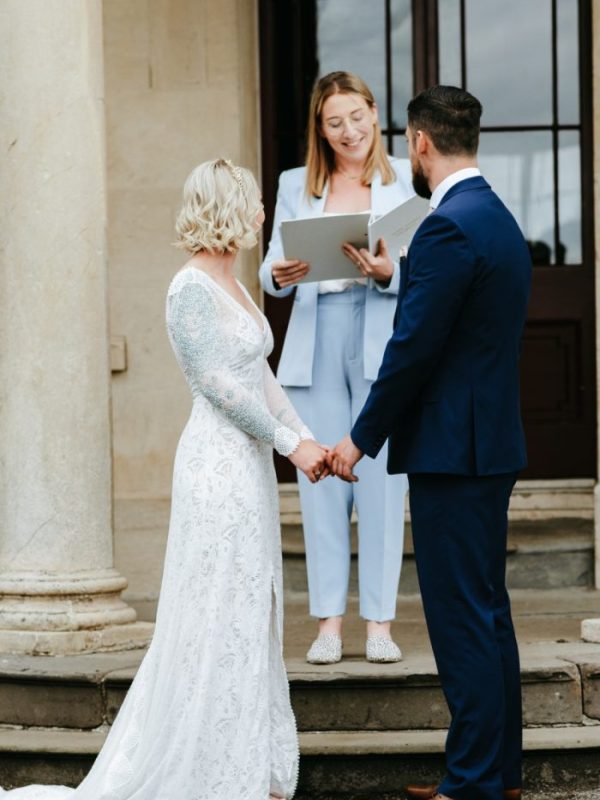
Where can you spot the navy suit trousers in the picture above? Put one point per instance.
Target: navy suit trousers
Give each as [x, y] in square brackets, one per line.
[459, 527]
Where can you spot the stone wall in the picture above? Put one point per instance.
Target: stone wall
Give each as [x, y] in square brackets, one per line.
[181, 87]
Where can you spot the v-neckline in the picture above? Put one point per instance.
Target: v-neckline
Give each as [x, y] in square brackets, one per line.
[261, 328]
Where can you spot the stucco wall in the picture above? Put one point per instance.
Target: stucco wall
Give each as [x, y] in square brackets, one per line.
[181, 87]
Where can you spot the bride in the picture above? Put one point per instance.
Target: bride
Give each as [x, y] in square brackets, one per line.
[208, 716]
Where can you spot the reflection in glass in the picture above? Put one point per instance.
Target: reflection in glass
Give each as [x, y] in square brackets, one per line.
[569, 197]
[518, 166]
[449, 40]
[509, 60]
[567, 25]
[351, 36]
[402, 60]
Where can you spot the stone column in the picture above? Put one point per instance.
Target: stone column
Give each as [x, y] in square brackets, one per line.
[590, 628]
[59, 592]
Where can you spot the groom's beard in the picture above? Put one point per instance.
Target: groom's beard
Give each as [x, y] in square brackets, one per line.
[419, 182]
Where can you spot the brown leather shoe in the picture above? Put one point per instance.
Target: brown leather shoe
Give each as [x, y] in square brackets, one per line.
[416, 792]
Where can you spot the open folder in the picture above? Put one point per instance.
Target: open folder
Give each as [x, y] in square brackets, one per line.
[318, 240]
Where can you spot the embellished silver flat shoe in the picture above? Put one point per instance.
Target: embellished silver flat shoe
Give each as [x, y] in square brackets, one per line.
[382, 650]
[326, 649]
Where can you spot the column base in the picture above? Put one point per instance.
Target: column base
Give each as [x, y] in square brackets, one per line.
[66, 614]
[590, 630]
[65, 643]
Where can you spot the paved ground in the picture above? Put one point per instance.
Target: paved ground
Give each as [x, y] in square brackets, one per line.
[577, 795]
[594, 795]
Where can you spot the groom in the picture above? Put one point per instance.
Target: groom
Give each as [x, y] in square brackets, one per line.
[447, 398]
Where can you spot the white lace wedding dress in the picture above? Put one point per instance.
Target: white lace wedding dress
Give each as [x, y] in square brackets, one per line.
[208, 716]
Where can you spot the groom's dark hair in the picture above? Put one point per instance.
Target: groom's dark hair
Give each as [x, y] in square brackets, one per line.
[450, 116]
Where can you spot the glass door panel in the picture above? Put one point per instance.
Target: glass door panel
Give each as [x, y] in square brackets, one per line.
[518, 166]
[350, 37]
[450, 42]
[569, 198]
[401, 74]
[509, 60]
[567, 26]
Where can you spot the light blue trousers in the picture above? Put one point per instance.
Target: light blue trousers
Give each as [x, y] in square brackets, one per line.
[329, 407]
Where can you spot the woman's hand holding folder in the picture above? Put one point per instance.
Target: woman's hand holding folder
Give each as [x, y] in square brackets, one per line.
[380, 267]
[287, 273]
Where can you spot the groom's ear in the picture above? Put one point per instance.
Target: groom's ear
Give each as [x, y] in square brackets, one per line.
[422, 143]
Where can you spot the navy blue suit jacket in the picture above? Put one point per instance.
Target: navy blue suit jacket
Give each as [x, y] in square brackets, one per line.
[447, 391]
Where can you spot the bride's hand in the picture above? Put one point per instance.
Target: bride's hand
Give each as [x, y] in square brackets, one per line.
[309, 457]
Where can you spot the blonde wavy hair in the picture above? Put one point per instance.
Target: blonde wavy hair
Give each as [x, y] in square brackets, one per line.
[221, 203]
[320, 158]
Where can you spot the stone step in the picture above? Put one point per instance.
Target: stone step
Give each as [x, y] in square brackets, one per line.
[556, 764]
[544, 554]
[366, 729]
[530, 500]
[560, 687]
[342, 764]
[64, 741]
[552, 549]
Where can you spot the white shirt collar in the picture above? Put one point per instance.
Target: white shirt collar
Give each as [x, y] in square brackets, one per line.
[450, 181]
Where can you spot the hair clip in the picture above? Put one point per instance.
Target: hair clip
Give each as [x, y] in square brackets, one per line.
[236, 172]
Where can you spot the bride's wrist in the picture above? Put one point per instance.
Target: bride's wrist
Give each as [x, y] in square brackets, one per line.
[286, 441]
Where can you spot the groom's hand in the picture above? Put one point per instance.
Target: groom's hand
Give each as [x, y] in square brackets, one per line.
[342, 459]
[311, 458]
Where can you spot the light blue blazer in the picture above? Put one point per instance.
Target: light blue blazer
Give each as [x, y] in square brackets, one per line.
[296, 364]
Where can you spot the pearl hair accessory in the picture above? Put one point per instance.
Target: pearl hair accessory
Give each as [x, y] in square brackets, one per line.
[235, 171]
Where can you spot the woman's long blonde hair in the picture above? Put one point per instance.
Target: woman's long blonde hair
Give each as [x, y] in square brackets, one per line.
[320, 159]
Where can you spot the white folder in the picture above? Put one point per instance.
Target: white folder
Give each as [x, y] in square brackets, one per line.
[398, 226]
[318, 240]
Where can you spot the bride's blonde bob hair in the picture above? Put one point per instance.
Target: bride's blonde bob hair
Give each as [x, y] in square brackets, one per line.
[221, 203]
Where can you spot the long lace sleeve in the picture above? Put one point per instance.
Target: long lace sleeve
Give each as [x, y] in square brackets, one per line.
[281, 407]
[199, 340]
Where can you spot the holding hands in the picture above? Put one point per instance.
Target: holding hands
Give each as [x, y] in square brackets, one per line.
[342, 459]
[311, 458]
[317, 461]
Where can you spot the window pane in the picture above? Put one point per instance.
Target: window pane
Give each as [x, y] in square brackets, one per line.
[568, 68]
[569, 197]
[518, 166]
[509, 60]
[399, 147]
[449, 42]
[402, 60]
[351, 36]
